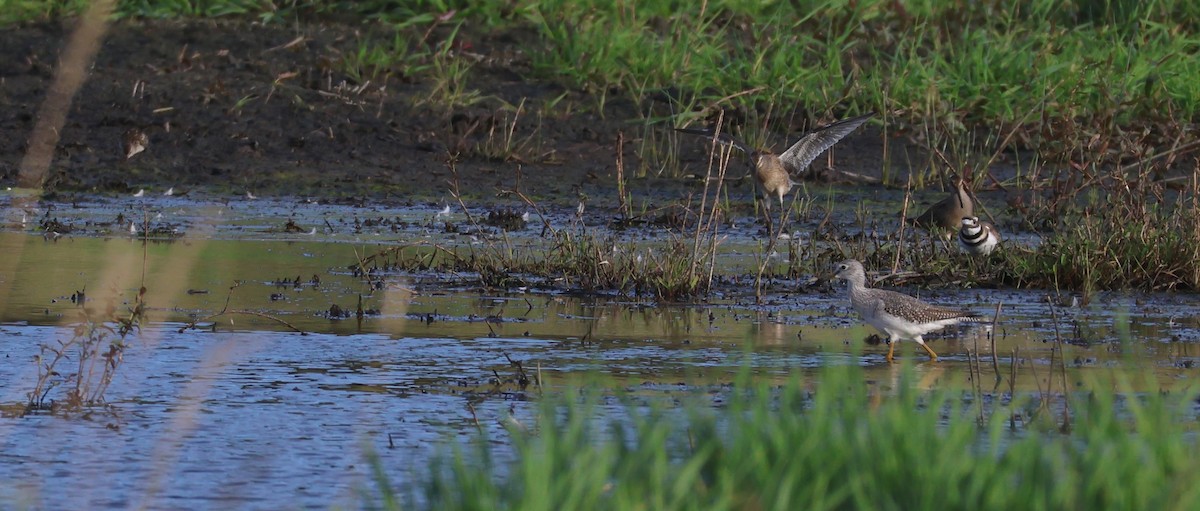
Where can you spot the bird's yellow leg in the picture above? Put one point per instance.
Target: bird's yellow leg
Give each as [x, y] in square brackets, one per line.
[891, 348]
[932, 355]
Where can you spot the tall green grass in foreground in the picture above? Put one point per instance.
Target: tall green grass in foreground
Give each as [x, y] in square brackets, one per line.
[841, 446]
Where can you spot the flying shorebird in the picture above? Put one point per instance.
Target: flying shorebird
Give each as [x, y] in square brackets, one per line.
[947, 214]
[977, 238]
[896, 314]
[773, 172]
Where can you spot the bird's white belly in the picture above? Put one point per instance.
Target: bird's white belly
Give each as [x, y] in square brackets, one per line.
[989, 245]
[895, 326]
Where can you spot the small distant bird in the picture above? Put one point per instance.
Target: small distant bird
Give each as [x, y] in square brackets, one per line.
[773, 172]
[134, 142]
[896, 314]
[947, 214]
[977, 238]
[170, 191]
[140, 193]
[250, 196]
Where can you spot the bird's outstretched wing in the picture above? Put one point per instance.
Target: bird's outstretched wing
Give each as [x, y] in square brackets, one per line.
[723, 137]
[803, 152]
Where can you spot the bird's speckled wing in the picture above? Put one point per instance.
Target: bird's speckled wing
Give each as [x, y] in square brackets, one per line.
[802, 153]
[902, 305]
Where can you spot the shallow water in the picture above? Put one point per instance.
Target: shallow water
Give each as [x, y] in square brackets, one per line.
[242, 412]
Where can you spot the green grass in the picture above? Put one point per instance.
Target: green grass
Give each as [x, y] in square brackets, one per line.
[1045, 71]
[17, 11]
[845, 445]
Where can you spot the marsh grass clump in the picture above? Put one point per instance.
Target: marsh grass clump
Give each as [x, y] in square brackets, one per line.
[506, 219]
[839, 443]
[579, 261]
[84, 364]
[576, 257]
[426, 58]
[1111, 231]
[503, 134]
[1150, 249]
[598, 263]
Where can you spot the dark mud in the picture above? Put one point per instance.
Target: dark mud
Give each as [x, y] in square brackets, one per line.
[236, 107]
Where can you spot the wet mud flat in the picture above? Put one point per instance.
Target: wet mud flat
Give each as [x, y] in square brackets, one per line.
[241, 107]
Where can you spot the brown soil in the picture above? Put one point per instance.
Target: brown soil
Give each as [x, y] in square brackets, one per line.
[233, 106]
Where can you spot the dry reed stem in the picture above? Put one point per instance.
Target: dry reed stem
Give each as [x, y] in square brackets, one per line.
[903, 221]
[992, 336]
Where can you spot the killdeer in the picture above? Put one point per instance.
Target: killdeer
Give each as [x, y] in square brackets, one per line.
[977, 238]
[896, 314]
[773, 172]
[947, 214]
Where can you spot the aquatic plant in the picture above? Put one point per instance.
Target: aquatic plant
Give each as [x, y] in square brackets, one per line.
[95, 350]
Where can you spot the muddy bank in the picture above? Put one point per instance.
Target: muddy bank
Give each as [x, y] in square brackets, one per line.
[236, 107]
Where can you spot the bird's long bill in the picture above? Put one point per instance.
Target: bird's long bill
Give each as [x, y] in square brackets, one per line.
[831, 273]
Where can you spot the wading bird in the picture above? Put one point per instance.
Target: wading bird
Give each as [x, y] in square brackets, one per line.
[896, 314]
